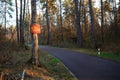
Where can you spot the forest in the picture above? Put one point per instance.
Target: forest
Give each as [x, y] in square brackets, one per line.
[64, 23]
[72, 24]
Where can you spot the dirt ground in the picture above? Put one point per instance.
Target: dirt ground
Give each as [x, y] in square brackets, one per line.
[14, 66]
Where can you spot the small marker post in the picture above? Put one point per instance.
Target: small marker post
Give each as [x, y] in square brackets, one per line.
[98, 51]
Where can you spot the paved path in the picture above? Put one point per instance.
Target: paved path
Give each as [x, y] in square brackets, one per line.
[86, 67]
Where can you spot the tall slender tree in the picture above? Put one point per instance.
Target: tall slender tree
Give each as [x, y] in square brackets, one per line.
[92, 24]
[61, 25]
[47, 20]
[17, 26]
[79, 33]
[21, 24]
[35, 56]
[102, 22]
[5, 10]
[5, 16]
[28, 19]
[23, 21]
[85, 18]
[116, 32]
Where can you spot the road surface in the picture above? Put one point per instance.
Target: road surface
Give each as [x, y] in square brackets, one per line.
[86, 67]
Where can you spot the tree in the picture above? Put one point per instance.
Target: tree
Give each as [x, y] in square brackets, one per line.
[50, 11]
[47, 21]
[35, 56]
[23, 21]
[85, 20]
[21, 24]
[5, 16]
[61, 19]
[5, 9]
[79, 33]
[92, 24]
[116, 31]
[27, 21]
[17, 25]
[102, 21]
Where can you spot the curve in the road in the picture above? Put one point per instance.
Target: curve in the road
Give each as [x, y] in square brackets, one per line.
[86, 67]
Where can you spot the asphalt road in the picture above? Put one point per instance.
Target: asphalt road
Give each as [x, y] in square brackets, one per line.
[85, 67]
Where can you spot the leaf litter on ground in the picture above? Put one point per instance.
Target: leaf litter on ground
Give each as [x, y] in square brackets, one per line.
[13, 63]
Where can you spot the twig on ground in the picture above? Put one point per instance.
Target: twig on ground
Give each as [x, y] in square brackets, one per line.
[1, 77]
[23, 75]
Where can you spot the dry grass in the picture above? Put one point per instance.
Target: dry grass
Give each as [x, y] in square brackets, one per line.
[110, 55]
[13, 60]
[54, 66]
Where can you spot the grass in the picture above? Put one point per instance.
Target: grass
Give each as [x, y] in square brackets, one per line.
[13, 63]
[105, 55]
[14, 59]
[111, 56]
[54, 66]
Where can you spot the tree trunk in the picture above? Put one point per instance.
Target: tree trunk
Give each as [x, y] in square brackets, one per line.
[116, 31]
[21, 25]
[79, 33]
[23, 21]
[17, 21]
[92, 24]
[48, 27]
[102, 22]
[28, 14]
[61, 20]
[5, 19]
[84, 13]
[35, 56]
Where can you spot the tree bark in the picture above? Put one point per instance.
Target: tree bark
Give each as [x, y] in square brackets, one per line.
[116, 31]
[23, 22]
[61, 20]
[79, 33]
[17, 21]
[48, 26]
[92, 24]
[102, 22]
[5, 18]
[35, 56]
[21, 25]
